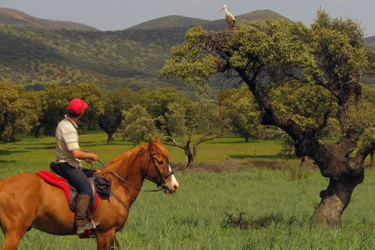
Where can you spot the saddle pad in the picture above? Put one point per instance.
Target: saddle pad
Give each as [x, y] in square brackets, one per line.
[62, 183]
[55, 180]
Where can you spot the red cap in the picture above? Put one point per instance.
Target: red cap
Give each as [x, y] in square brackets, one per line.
[77, 106]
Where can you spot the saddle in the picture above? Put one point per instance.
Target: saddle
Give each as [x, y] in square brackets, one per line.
[57, 178]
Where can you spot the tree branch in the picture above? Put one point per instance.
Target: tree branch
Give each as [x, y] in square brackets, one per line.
[365, 150]
[175, 144]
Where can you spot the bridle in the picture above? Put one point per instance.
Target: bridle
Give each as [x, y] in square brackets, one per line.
[160, 183]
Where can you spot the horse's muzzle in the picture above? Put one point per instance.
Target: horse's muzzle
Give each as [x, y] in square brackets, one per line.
[170, 186]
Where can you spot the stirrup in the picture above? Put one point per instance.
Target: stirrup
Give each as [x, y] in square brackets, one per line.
[88, 226]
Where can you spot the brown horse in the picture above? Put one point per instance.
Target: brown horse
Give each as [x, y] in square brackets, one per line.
[27, 201]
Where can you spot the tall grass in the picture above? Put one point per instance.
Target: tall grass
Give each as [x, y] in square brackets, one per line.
[195, 217]
[277, 207]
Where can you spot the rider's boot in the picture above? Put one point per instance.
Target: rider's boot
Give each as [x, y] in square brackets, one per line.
[83, 203]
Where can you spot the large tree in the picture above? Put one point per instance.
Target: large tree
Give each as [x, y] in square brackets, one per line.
[266, 55]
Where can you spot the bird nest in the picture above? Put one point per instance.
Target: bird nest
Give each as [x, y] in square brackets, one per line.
[216, 42]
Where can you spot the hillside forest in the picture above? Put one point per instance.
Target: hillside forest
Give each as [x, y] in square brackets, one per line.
[33, 55]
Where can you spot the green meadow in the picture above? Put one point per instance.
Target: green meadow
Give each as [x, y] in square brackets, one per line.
[32, 154]
[248, 197]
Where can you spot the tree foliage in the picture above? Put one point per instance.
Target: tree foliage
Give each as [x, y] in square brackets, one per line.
[156, 103]
[115, 103]
[55, 100]
[138, 125]
[243, 112]
[18, 111]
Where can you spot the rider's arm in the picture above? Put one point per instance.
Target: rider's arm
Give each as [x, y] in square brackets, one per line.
[77, 153]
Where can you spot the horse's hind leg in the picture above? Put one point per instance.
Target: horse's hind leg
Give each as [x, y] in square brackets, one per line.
[12, 240]
[14, 229]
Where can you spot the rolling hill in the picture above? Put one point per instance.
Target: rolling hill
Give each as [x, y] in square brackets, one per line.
[35, 51]
[216, 25]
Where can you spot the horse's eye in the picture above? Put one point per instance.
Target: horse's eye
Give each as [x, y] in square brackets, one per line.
[160, 162]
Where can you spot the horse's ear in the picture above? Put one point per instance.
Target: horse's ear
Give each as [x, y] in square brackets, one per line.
[158, 139]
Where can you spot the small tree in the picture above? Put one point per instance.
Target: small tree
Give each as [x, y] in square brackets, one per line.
[138, 125]
[211, 118]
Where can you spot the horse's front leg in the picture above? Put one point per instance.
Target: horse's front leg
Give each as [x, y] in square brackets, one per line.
[107, 240]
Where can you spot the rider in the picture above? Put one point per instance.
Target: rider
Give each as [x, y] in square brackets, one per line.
[68, 155]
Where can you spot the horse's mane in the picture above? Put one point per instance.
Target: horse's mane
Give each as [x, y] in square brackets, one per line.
[123, 164]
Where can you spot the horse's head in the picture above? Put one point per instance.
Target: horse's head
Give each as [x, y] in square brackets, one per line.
[159, 170]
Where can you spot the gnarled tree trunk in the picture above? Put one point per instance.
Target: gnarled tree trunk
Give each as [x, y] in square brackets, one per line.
[333, 159]
[335, 199]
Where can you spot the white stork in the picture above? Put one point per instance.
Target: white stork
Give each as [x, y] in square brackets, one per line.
[229, 18]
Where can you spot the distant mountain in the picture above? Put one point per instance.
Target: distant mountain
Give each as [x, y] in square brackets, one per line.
[15, 17]
[216, 25]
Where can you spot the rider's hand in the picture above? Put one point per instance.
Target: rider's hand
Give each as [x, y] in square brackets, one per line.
[94, 157]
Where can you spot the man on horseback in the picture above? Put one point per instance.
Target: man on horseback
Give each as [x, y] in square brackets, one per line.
[69, 156]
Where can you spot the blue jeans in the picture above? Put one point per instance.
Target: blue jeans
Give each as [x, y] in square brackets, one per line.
[77, 178]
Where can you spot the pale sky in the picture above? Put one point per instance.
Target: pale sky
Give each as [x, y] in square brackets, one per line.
[121, 14]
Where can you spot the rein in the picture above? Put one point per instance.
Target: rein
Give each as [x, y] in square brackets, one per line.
[123, 180]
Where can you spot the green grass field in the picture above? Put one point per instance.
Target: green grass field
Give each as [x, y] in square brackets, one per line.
[31, 154]
[275, 210]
